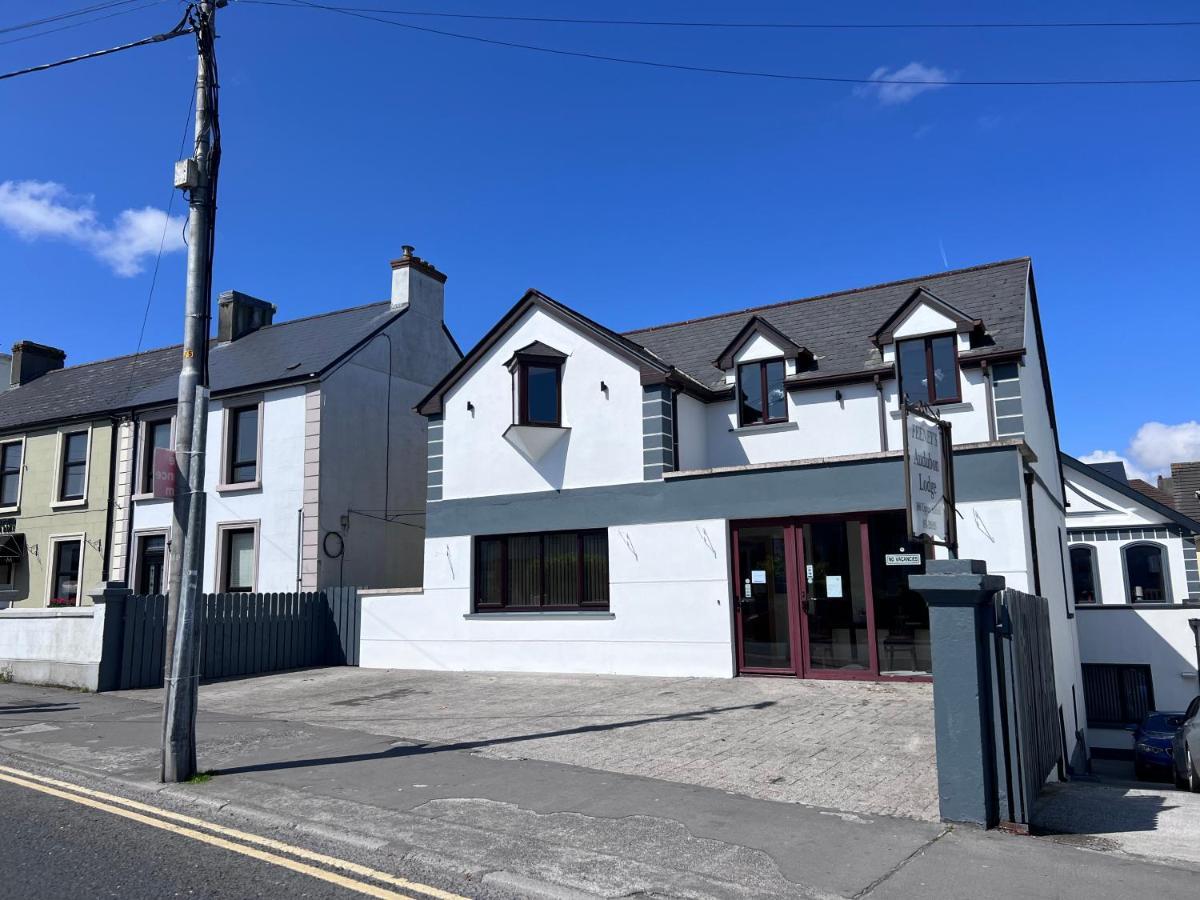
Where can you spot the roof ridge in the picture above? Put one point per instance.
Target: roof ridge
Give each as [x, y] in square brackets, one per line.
[213, 340]
[843, 293]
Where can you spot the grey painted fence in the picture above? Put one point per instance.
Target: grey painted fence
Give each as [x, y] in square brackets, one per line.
[1029, 728]
[244, 634]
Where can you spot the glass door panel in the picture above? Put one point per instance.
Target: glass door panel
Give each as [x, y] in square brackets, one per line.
[835, 591]
[762, 593]
[901, 615]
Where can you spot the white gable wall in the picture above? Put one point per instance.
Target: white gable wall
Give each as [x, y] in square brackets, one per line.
[923, 319]
[604, 445]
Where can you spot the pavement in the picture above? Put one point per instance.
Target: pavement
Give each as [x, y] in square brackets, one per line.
[456, 815]
[862, 747]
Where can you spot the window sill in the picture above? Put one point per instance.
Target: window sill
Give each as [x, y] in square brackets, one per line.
[565, 614]
[242, 488]
[766, 429]
[957, 406]
[139, 498]
[10, 510]
[69, 504]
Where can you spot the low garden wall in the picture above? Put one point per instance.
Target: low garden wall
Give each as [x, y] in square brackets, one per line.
[52, 646]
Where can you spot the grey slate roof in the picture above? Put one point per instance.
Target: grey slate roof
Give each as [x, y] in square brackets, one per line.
[837, 328]
[296, 350]
[1185, 484]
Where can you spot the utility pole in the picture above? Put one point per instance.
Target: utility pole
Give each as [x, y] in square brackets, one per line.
[198, 176]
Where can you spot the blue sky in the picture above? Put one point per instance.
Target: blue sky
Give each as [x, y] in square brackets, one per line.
[636, 195]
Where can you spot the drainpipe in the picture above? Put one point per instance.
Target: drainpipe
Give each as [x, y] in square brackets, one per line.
[883, 441]
[990, 399]
[1195, 623]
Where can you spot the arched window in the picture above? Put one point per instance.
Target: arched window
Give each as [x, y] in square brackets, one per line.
[1146, 573]
[1083, 574]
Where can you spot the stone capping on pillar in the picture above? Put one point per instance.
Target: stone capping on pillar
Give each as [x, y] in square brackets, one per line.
[960, 595]
[111, 595]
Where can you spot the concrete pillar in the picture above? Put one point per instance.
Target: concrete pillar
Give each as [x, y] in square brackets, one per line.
[961, 624]
[111, 595]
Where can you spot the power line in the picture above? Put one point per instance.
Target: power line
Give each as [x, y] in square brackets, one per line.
[70, 25]
[83, 11]
[713, 70]
[674, 23]
[181, 29]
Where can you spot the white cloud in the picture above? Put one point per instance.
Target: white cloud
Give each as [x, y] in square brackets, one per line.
[45, 209]
[921, 78]
[1153, 449]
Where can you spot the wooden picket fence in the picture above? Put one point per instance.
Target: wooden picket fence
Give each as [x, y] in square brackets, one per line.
[245, 634]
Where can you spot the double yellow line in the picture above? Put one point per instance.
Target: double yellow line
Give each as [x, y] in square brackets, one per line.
[232, 839]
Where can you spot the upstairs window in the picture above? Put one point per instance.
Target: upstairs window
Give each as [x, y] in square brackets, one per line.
[1145, 573]
[72, 477]
[1083, 575]
[762, 397]
[540, 390]
[929, 369]
[243, 441]
[155, 436]
[10, 474]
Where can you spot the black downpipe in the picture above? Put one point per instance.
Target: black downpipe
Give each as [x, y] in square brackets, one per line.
[1037, 569]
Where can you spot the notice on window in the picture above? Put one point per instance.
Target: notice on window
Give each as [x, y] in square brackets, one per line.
[833, 586]
[758, 576]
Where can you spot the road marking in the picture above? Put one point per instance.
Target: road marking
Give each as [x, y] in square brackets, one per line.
[31, 780]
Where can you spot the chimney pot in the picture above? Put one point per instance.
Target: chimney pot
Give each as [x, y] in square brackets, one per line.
[407, 250]
[31, 360]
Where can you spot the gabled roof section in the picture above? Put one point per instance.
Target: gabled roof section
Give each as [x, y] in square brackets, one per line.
[653, 369]
[297, 350]
[1099, 475]
[837, 328]
[963, 323]
[757, 325]
[536, 350]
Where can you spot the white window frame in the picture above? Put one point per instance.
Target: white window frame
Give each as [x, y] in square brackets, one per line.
[229, 405]
[143, 490]
[16, 507]
[136, 559]
[52, 557]
[58, 502]
[255, 525]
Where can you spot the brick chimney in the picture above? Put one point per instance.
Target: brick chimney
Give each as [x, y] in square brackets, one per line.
[417, 285]
[239, 314]
[30, 361]
[5, 371]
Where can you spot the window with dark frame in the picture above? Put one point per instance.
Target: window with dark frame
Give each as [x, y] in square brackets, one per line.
[552, 571]
[540, 392]
[8, 570]
[73, 477]
[242, 451]
[151, 564]
[762, 396]
[1145, 573]
[1083, 575]
[929, 369]
[1117, 695]
[64, 585]
[237, 560]
[155, 436]
[10, 473]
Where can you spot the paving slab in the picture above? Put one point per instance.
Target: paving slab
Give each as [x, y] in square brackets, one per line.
[861, 747]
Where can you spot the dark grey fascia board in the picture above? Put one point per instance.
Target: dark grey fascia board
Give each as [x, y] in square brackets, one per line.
[1149, 502]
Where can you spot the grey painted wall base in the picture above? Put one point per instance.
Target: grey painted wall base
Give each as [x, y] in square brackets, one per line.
[52, 672]
[959, 593]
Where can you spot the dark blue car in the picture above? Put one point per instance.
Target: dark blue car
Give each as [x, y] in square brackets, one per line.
[1153, 756]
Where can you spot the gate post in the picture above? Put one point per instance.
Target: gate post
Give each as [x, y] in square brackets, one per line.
[112, 595]
[959, 593]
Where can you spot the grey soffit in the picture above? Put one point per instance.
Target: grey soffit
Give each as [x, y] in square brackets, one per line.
[287, 351]
[1097, 474]
[992, 473]
[837, 328]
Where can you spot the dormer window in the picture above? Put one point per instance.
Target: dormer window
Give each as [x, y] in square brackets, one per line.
[762, 398]
[537, 372]
[929, 369]
[540, 393]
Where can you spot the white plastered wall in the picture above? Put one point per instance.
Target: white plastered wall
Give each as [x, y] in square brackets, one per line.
[603, 446]
[659, 624]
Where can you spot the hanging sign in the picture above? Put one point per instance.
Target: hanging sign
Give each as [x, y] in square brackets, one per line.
[929, 478]
[163, 474]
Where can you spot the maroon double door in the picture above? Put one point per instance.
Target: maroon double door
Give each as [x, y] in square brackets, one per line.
[814, 599]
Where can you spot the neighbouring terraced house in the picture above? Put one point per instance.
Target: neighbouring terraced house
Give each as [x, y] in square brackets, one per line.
[725, 495]
[315, 458]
